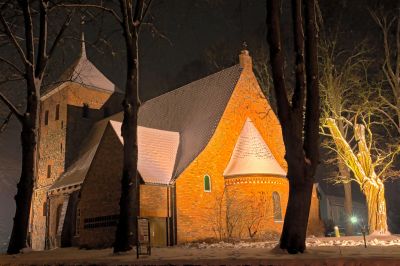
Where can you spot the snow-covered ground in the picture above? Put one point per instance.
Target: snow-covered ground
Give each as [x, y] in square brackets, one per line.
[320, 251]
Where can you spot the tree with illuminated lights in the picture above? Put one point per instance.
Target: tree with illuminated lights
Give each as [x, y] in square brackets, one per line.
[351, 119]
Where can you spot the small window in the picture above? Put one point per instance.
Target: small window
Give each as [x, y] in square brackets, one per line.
[276, 199]
[45, 208]
[48, 171]
[85, 110]
[57, 112]
[61, 147]
[46, 117]
[62, 124]
[207, 183]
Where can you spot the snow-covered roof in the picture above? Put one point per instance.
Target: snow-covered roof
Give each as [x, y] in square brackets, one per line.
[252, 155]
[84, 72]
[157, 152]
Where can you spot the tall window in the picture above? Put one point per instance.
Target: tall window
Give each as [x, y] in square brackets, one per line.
[207, 183]
[57, 111]
[46, 117]
[276, 199]
[49, 171]
[85, 110]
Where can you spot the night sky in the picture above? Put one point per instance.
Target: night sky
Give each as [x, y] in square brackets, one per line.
[192, 39]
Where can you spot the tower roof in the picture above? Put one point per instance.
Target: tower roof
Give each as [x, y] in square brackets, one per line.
[84, 72]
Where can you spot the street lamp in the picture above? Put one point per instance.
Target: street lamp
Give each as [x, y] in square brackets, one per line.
[354, 220]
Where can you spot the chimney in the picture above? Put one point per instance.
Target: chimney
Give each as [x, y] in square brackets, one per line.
[245, 58]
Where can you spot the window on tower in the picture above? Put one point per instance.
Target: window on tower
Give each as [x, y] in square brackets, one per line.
[49, 171]
[46, 117]
[57, 111]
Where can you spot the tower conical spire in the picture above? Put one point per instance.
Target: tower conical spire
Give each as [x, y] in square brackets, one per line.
[83, 46]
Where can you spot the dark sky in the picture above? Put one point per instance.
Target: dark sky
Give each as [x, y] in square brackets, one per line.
[195, 32]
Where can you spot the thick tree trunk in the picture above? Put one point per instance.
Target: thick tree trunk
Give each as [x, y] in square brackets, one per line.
[348, 200]
[24, 190]
[348, 208]
[294, 230]
[376, 204]
[126, 234]
[345, 175]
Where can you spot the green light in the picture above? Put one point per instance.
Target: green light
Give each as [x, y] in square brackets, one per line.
[353, 219]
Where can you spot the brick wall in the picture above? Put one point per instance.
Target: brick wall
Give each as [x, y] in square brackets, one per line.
[195, 207]
[100, 193]
[53, 146]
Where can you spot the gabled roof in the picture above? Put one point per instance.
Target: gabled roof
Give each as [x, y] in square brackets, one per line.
[157, 150]
[193, 110]
[76, 173]
[252, 155]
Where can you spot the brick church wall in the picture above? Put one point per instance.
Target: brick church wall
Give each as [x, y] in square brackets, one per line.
[195, 207]
[55, 143]
[100, 193]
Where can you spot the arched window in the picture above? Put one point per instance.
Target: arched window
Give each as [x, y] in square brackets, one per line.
[276, 199]
[207, 183]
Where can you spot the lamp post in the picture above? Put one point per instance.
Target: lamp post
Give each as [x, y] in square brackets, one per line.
[354, 220]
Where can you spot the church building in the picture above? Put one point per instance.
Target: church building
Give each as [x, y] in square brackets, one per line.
[211, 162]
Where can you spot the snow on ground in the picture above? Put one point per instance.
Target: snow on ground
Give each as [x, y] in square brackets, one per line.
[320, 251]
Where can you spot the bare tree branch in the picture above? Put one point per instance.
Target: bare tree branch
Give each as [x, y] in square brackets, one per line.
[12, 65]
[12, 107]
[3, 126]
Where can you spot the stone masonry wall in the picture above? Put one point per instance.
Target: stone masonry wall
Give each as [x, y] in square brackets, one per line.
[52, 147]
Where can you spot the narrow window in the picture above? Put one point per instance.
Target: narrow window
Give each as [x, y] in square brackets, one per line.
[61, 147]
[62, 124]
[85, 110]
[46, 117]
[57, 111]
[277, 206]
[48, 171]
[45, 208]
[207, 183]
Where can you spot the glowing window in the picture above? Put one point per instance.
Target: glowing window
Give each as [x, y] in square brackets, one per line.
[277, 206]
[207, 183]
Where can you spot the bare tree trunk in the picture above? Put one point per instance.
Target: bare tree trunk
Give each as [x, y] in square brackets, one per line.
[345, 174]
[127, 231]
[24, 191]
[23, 198]
[348, 203]
[299, 126]
[376, 203]
[294, 230]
